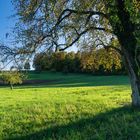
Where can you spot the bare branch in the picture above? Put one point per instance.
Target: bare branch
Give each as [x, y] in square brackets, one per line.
[80, 34]
[91, 13]
[107, 46]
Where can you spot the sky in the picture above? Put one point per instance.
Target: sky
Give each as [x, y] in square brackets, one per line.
[6, 20]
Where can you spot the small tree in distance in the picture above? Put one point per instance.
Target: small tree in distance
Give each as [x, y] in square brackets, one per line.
[27, 66]
[12, 77]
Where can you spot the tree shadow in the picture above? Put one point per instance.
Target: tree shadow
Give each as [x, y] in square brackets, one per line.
[120, 123]
[89, 81]
[52, 80]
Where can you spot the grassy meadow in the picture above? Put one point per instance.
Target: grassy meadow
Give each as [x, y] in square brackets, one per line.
[70, 107]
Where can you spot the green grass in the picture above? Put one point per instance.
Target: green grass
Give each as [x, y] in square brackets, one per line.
[74, 107]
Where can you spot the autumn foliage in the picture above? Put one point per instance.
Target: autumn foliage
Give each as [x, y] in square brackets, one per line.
[86, 61]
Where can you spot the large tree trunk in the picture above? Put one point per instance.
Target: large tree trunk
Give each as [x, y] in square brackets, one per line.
[130, 64]
[124, 30]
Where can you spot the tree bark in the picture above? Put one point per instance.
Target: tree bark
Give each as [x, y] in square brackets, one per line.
[130, 65]
[124, 30]
[11, 86]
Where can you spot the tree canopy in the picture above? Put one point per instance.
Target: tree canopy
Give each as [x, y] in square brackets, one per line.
[60, 24]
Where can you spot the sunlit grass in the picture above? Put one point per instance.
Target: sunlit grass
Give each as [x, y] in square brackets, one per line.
[59, 111]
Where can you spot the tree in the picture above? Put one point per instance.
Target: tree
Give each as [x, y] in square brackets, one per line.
[27, 66]
[37, 63]
[69, 64]
[42, 61]
[92, 21]
[100, 61]
[12, 78]
[58, 60]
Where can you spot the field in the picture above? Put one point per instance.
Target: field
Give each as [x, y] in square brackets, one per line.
[69, 107]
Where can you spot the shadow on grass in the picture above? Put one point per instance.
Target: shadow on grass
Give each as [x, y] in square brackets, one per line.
[121, 123]
[82, 82]
[56, 80]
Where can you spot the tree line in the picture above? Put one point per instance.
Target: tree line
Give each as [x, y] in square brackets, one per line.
[80, 62]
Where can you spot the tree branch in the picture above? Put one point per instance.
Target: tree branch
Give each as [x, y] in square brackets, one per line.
[91, 13]
[108, 46]
[80, 34]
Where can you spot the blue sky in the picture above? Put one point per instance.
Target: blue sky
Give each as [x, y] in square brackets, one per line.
[6, 21]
